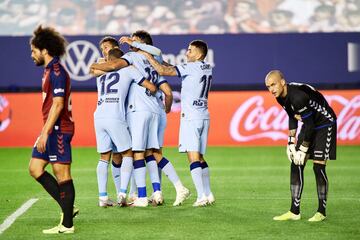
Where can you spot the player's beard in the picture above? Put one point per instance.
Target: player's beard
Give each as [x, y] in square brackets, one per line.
[40, 61]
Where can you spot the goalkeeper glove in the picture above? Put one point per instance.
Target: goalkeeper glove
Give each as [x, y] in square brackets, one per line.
[290, 149]
[300, 155]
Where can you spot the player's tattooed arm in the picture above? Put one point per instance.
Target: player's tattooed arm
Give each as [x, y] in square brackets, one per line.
[161, 69]
[166, 89]
[150, 86]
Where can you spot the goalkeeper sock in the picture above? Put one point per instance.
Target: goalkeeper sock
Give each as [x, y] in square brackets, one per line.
[102, 176]
[296, 187]
[322, 185]
[116, 173]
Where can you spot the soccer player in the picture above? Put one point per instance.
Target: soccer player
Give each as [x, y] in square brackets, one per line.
[196, 76]
[143, 40]
[112, 131]
[53, 145]
[316, 140]
[106, 44]
[182, 193]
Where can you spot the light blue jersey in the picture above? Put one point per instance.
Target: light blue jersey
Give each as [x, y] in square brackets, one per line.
[156, 52]
[140, 99]
[196, 80]
[113, 88]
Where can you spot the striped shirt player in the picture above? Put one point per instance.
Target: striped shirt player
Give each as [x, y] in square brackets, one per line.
[316, 140]
[196, 78]
[56, 83]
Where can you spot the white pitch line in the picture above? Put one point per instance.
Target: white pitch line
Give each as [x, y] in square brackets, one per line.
[20, 211]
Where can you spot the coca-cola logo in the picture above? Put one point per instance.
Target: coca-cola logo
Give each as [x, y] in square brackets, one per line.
[252, 120]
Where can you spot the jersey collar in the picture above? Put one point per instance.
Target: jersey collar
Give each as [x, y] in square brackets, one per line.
[52, 62]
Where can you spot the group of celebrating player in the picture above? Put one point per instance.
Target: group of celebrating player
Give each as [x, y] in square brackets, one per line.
[130, 119]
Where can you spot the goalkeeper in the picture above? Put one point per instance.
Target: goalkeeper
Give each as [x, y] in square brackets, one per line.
[316, 140]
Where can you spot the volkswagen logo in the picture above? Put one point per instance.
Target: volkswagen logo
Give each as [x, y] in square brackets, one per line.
[79, 57]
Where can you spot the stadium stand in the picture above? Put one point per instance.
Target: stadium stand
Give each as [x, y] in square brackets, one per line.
[20, 17]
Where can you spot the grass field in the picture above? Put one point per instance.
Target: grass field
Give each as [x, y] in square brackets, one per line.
[251, 185]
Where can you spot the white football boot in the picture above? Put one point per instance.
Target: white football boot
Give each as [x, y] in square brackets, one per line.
[157, 198]
[106, 202]
[140, 202]
[211, 199]
[201, 202]
[121, 199]
[181, 195]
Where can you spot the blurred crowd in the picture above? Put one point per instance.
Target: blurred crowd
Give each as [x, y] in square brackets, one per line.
[84, 17]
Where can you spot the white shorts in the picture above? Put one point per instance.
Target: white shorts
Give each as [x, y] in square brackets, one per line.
[144, 130]
[112, 135]
[161, 129]
[193, 135]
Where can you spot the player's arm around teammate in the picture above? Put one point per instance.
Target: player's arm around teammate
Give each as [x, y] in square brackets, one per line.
[196, 78]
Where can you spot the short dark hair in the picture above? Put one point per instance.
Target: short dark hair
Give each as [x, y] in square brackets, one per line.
[51, 40]
[115, 52]
[144, 36]
[200, 44]
[111, 40]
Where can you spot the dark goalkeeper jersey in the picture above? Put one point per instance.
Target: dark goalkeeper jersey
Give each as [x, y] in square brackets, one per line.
[304, 100]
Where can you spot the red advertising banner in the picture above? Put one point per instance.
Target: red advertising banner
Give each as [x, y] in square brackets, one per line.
[237, 118]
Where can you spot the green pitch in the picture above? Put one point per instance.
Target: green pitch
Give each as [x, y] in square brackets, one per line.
[251, 185]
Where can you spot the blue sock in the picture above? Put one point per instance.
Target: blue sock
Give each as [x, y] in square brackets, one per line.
[140, 174]
[153, 172]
